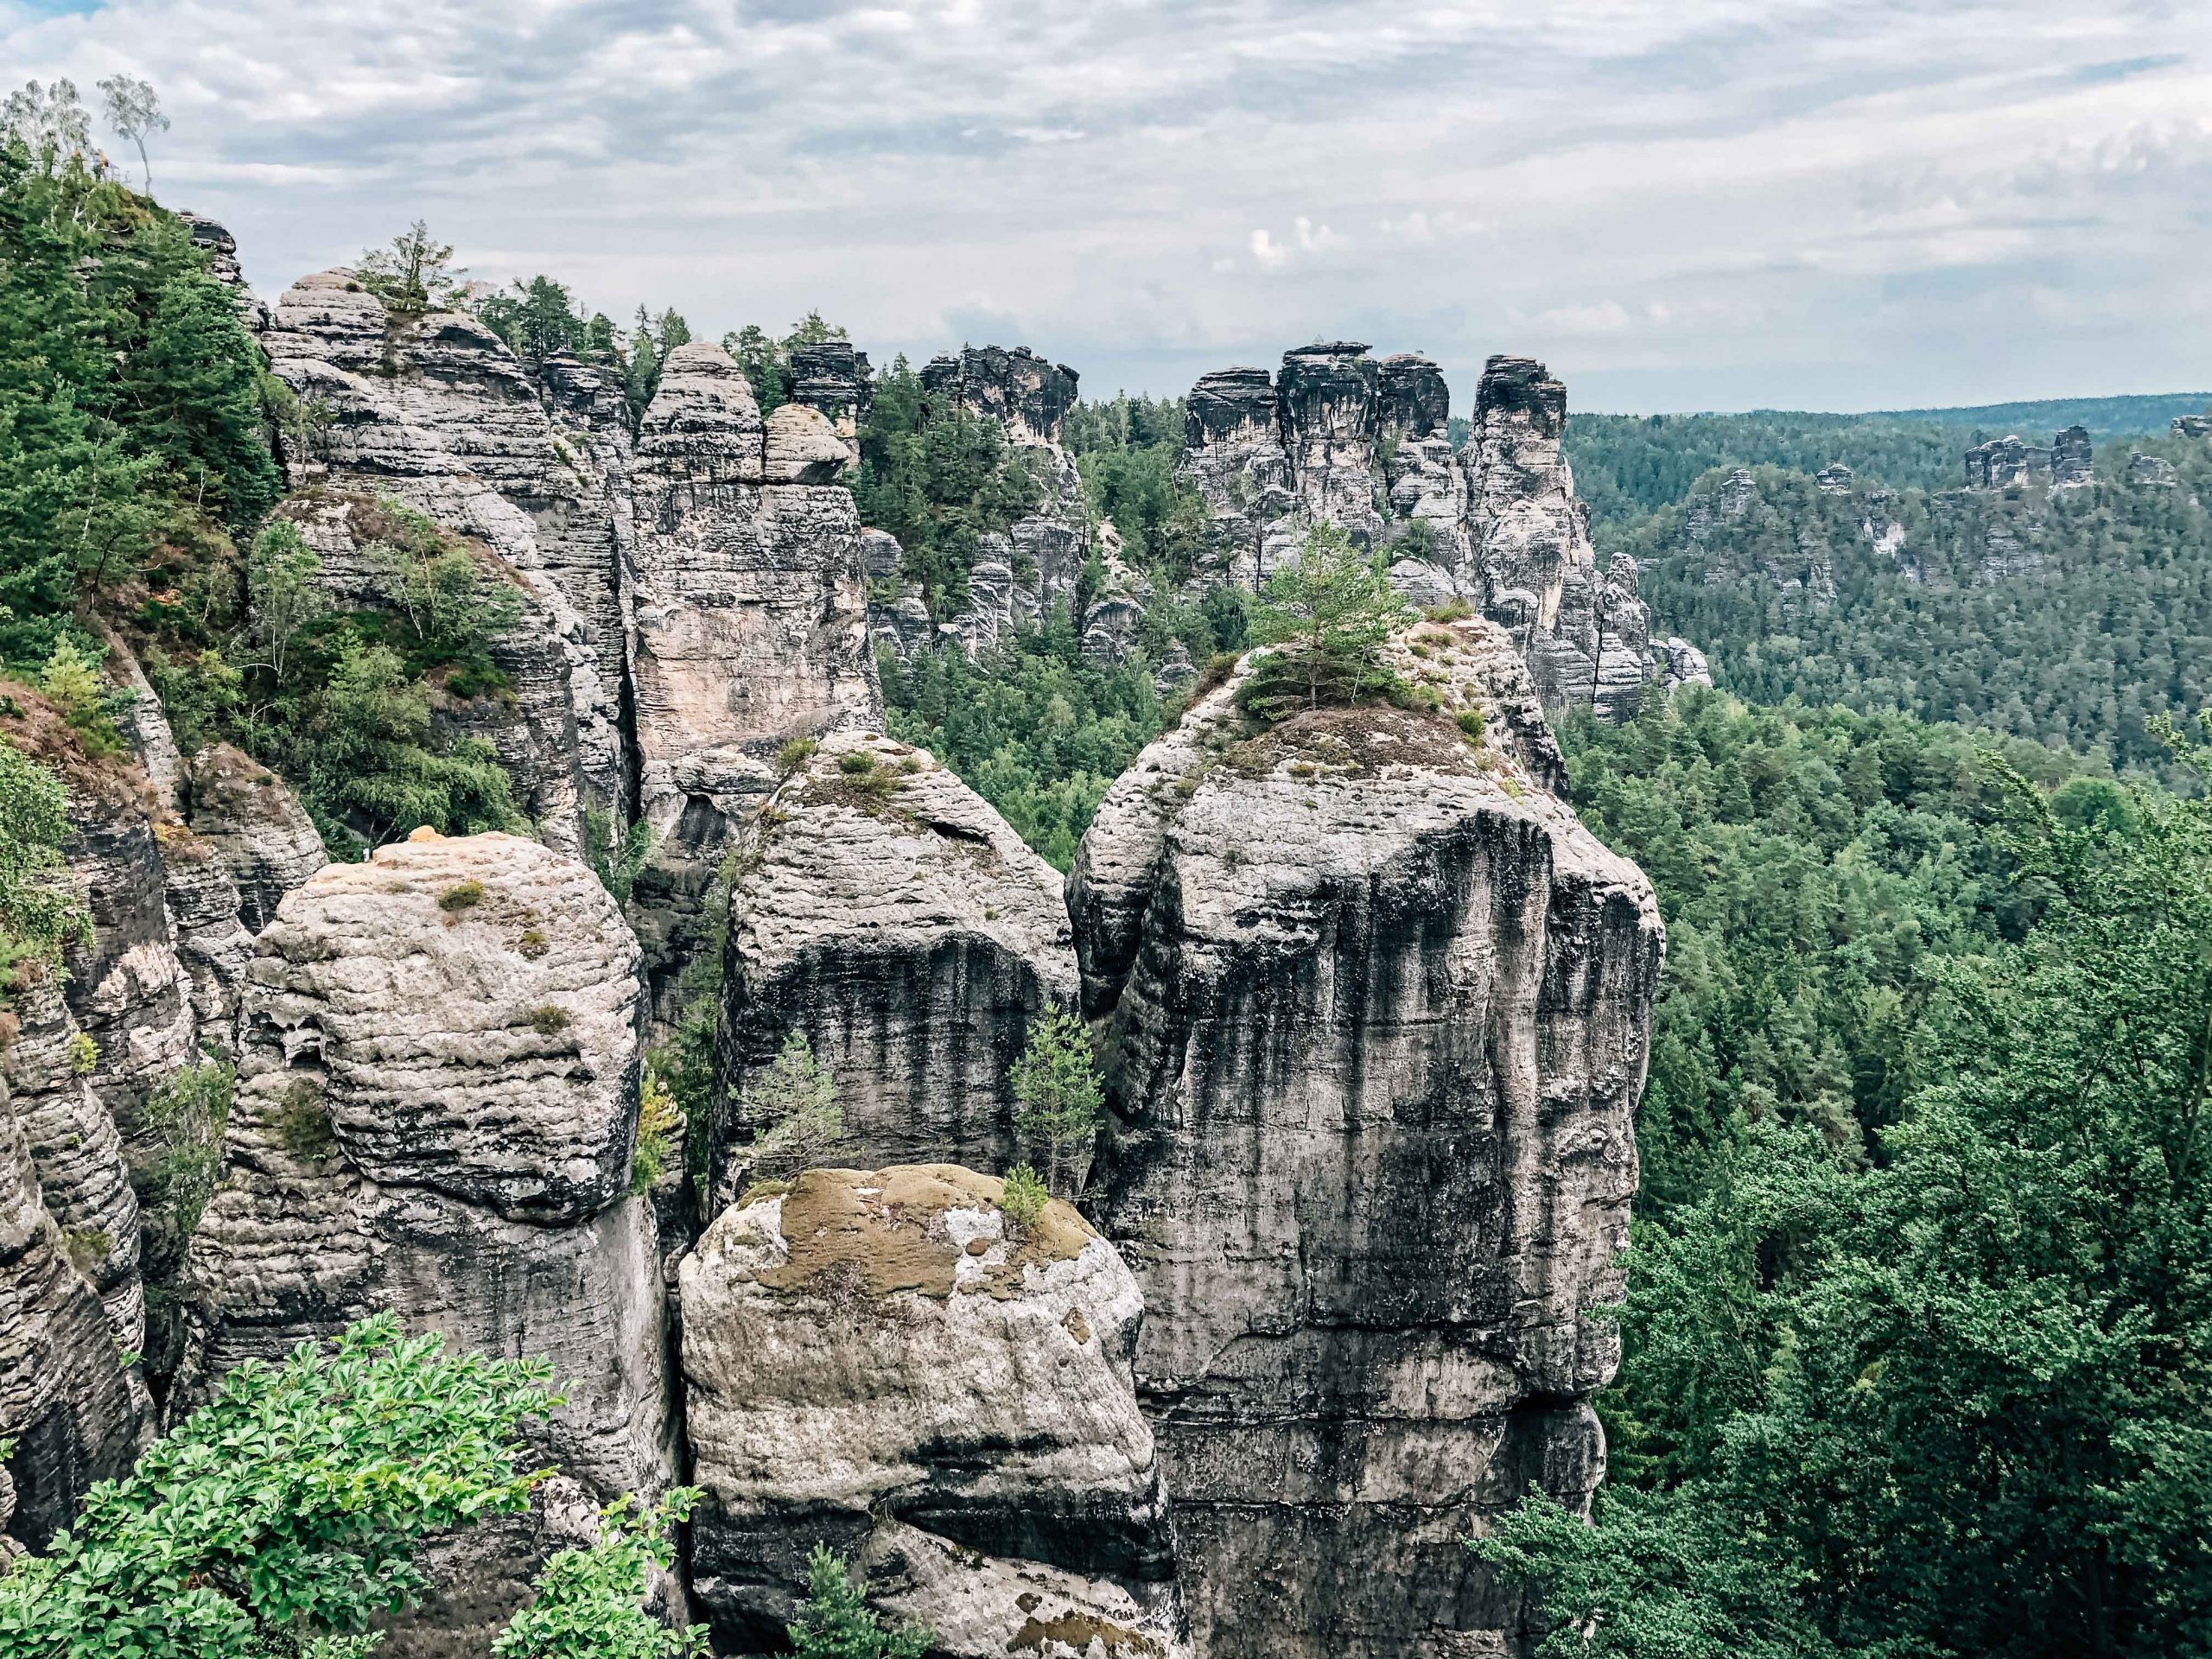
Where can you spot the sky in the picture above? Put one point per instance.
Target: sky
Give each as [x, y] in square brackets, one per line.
[1676, 204]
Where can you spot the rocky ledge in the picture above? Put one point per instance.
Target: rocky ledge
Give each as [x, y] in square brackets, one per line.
[886, 1361]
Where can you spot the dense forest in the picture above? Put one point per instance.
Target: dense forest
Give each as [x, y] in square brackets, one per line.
[2071, 618]
[1625, 465]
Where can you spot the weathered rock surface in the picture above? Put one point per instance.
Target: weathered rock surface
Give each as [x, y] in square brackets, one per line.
[1376, 1009]
[882, 908]
[2155, 471]
[1024, 393]
[1361, 444]
[257, 828]
[749, 626]
[2071, 455]
[872, 1360]
[436, 412]
[2006, 463]
[74, 1415]
[437, 1104]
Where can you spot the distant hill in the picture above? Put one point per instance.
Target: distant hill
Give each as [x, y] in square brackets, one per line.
[1630, 464]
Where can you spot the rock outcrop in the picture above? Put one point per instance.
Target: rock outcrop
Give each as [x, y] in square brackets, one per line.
[880, 1361]
[437, 413]
[880, 908]
[437, 1100]
[1376, 1008]
[1342, 439]
[749, 624]
[73, 1414]
[2007, 463]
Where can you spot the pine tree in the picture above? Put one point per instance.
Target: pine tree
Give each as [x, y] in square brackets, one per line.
[836, 1622]
[1059, 1103]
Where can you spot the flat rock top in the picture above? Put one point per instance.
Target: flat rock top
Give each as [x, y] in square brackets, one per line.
[872, 845]
[913, 1227]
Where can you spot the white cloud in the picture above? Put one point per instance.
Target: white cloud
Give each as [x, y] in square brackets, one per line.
[1807, 201]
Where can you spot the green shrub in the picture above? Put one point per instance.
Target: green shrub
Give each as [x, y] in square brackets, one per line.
[660, 1130]
[1022, 1196]
[856, 763]
[84, 1053]
[284, 1515]
[835, 1621]
[304, 1125]
[589, 1604]
[548, 1020]
[462, 895]
[791, 1105]
[1451, 610]
[38, 916]
[794, 755]
[1472, 723]
[185, 1119]
[533, 943]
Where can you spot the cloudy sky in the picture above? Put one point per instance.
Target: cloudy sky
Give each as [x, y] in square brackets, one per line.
[1678, 204]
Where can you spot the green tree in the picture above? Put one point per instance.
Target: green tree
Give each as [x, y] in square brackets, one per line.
[38, 914]
[136, 113]
[536, 319]
[1323, 620]
[1949, 1401]
[284, 595]
[413, 274]
[835, 1621]
[1058, 1099]
[50, 122]
[587, 1604]
[284, 1515]
[792, 1107]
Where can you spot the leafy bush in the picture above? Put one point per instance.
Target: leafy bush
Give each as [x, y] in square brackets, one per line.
[38, 916]
[794, 755]
[549, 1021]
[660, 1127]
[462, 895]
[185, 1119]
[856, 763]
[287, 1511]
[587, 1603]
[1023, 1197]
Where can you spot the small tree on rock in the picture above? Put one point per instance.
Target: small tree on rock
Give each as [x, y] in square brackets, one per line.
[1324, 619]
[1059, 1102]
[414, 275]
[795, 1101]
[835, 1622]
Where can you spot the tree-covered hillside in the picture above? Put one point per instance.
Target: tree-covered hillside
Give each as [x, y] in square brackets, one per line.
[1628, 464]
[2068, 618]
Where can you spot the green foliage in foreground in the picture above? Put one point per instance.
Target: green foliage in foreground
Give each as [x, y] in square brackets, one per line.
[835, 1621]
[1952, 1401]
[1035, 730]
[589, 1602]
[284, 1514]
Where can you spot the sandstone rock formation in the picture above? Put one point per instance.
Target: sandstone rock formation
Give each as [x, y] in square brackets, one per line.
[74, 1414]
[1376, 1008]
[436, 412]
[880, 906]
[256, 827]
[876, 1360]
[437, 1103]
[1836, 478]
[1340, 438]
[749, 624]
[2154, 472]
[2006, 463]
[2071, 455]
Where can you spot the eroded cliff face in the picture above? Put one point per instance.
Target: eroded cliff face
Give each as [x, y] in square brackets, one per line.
[436, 412]
[1374, 1010]
[1340, 438]
[748, 624]
[879, 1360]
[880, 908]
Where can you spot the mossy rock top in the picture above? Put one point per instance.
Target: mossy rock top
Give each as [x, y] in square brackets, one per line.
[913, 1228]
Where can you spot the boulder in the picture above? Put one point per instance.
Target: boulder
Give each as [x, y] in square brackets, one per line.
[437, 1104]
[880, 906]
[880, 1362]
[1375, 1009]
